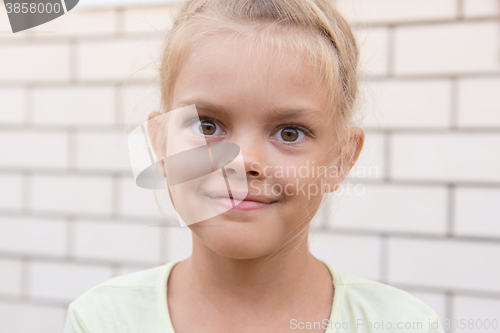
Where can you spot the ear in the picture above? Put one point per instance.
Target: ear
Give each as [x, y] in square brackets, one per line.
[349, 151]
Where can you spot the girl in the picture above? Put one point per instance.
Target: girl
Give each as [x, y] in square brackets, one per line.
[278, 78]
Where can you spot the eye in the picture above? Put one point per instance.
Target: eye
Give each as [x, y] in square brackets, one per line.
[290, 134]
[206, 127]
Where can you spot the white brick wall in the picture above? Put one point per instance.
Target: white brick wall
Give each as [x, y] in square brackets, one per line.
[28, 149]
[480, 310]
[42, 318]
[478, 104]
[11, 195]
[147, 19]
[118, 59]
[459, 48]
[446, 157]
[102, 151]
[481, 8]
[419, 209]
[461, 265]
[407, 103]
[35, 62]
[117, 242]
[72, 194]
[74, 105]
[374, 52]
[135, 201]
[427, 221]
[13, 103]
[137, 101]
[476, 212]
[81, 23]
[10, 277]
[64, 282]
[38, 237]
[393, 11]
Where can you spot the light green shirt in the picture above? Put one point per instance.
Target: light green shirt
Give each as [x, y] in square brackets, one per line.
[137, 302]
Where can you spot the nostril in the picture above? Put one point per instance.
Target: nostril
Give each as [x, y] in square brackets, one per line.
[254, 173]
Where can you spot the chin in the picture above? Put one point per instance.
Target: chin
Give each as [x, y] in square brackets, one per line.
[240, 240]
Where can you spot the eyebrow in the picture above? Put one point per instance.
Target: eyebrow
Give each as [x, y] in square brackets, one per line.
[277, 113]
[297, 113]
[204, 104]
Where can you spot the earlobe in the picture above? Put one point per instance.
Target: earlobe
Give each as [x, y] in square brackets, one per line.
[357, 140]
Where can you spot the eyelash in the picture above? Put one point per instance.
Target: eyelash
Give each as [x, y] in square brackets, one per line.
[301, 128]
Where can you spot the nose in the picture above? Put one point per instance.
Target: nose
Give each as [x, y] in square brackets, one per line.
[254, 156]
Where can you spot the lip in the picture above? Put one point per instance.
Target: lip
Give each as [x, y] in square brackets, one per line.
[250, 203]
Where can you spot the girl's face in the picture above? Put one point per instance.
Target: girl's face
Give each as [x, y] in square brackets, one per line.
[275, 109]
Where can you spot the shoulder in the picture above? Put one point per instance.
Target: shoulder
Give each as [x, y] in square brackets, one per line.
[121, 299]
[123, 286]
[372, 301]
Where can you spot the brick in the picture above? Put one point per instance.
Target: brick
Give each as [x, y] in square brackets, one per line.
[72, 195]
[33, 236]
[476, 212]
[13, 105]
[64, 282]
[25, 317]
[447, 48]
[11, 192]
[392, 208]
[359, 255]
[479, 105]
[137, 101]
[10, 277]
[481, 8]
[117, 241]
[440, 263]
[437, 302]
[35, 62]
[407, 104]
[445, 157]
[370, 163]
[482, 311]
[148, 19]
[79, 22]
[102, 151]
[28, 149]
[393, 11]
[75, 106]
[136, 201]
[373, 47]
[179, 242]
[118, 59]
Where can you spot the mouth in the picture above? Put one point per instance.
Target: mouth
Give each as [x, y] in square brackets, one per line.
[250, 203]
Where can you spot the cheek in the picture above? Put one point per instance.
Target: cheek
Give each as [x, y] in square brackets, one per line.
[301, 181]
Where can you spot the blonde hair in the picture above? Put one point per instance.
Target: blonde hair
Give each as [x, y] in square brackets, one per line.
[320, 34]
[324, 37]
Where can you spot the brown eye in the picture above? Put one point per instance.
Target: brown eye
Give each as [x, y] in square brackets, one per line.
[207, 127]
[289, 134]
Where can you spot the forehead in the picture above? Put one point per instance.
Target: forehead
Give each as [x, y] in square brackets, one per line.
[240, 70]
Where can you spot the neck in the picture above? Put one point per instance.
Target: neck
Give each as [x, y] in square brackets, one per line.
[288, 275]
